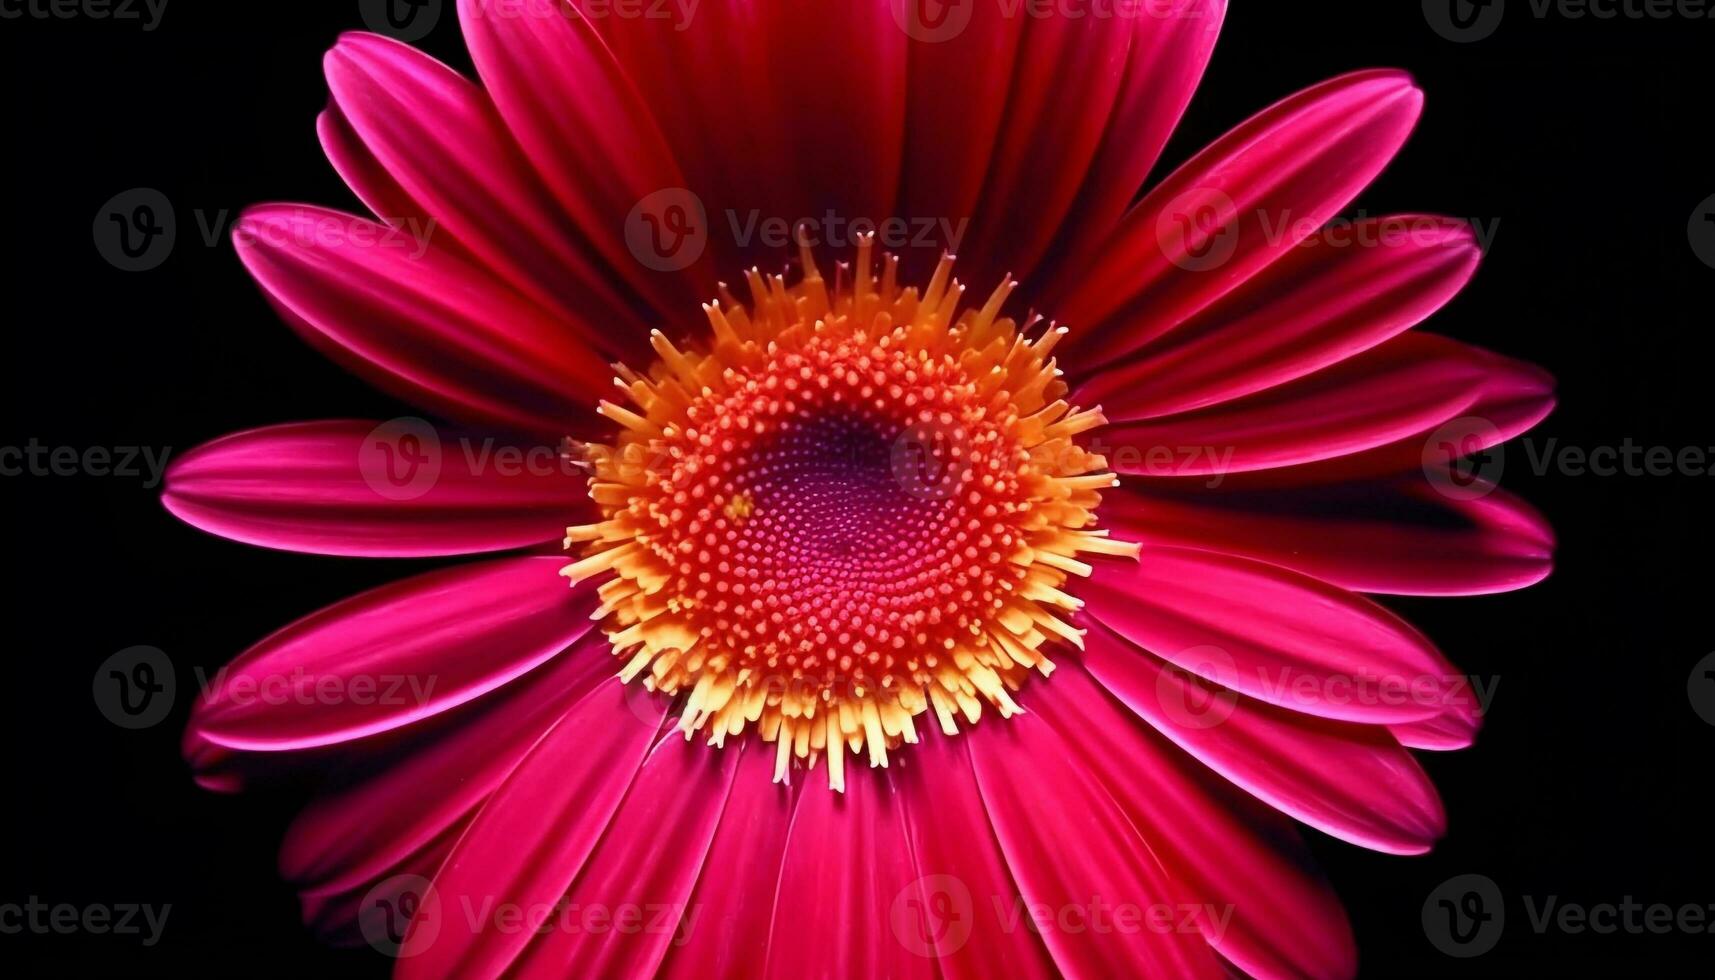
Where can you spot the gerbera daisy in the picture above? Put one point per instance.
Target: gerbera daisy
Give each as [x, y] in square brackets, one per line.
[857, 625]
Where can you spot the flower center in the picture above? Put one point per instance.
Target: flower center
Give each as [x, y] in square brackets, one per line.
[853, 505]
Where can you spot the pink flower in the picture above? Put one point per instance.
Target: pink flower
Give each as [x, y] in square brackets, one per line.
[856, 519]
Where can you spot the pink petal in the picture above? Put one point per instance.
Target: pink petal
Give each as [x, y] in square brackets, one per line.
[351, 835]
[1447, 732]
[394, 655]
[848, 860]
[336, 488]
[419, 322]
[967, 892]
[1270, 912]
[1043, 152]
[1252, 196]
[649, 861]
[1398, 536]
[1271, 634]
[734, 896]
[1326, 301]
[527, 846]
[1350, 781]
[1378, 408]
[439, 137]
[583, 123]
[1170, 48]
[1069, 846]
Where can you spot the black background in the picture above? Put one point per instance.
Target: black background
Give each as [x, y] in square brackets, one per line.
[1589, 140]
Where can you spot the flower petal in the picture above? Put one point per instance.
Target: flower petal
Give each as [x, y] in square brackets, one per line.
[352, 834]
[1069, 847]
[419, 322]
[1265, 908]
[439, 137]
[847, 857]
[967, 892]
[648, 861]
[1373, 412]
[525, 849]
[1350, 781]
[431, 643]
[734, 897]
[1236, 208]
[583, 122]
[334, 488]
[1397, 536]
[1329, 299]
[1272, 634]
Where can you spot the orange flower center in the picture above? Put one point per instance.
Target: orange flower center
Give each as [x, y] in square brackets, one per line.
[853, 505]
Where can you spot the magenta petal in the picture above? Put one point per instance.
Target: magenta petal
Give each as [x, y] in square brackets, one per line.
[848, 859]
[1069, 846]
[1271, 634]
[394, 655]
[438, 136]
[1270, 913]
[1267, 184]
[734, 897]
[419, 322]
[1399, 536]
[583, 123]
[967, 891]
[648, 859]
[1170, 48]
[1350, 781]
[1379, 408]
[527, 846]
[353, 834]
[1329, 299]
[333, 488]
